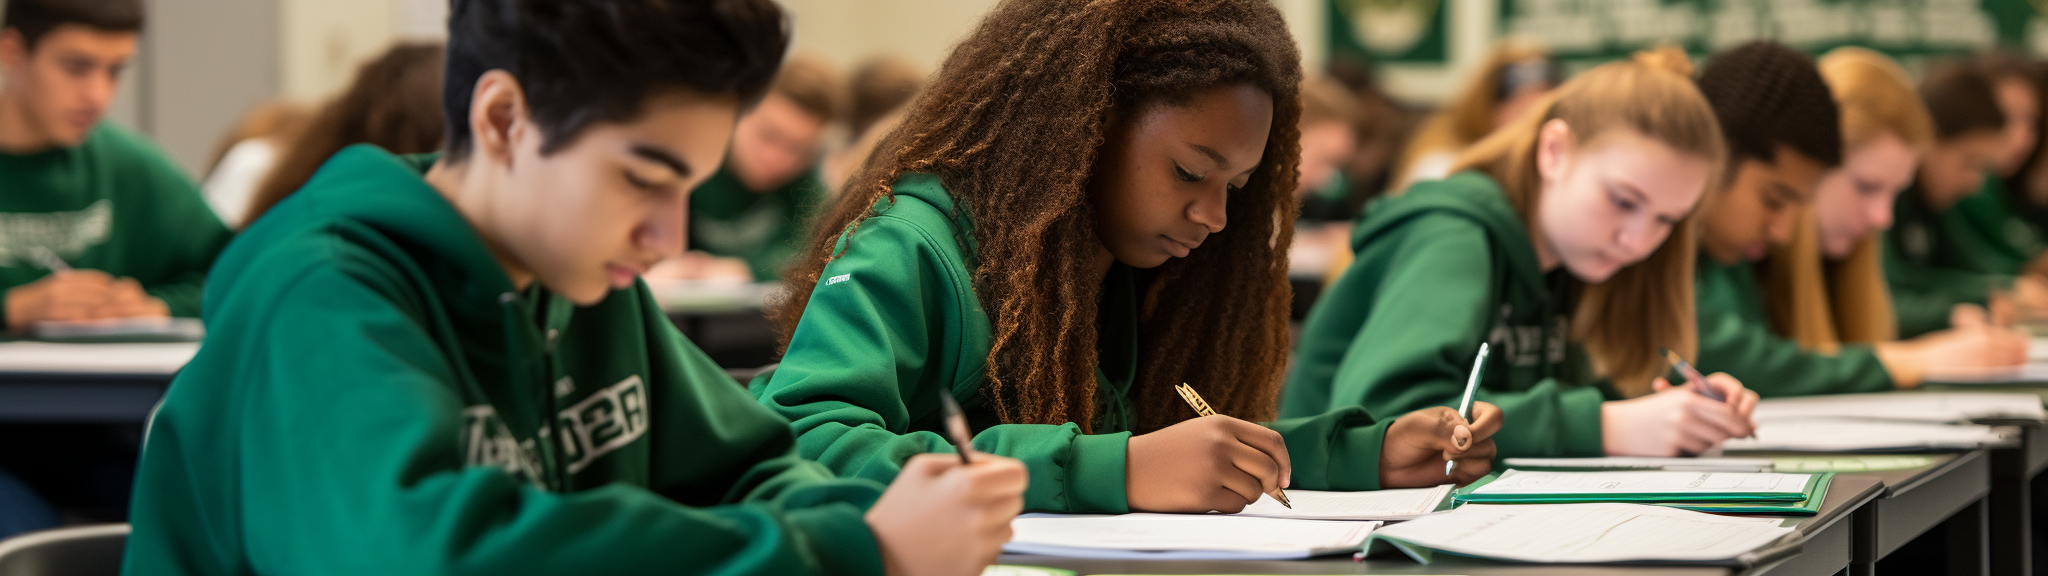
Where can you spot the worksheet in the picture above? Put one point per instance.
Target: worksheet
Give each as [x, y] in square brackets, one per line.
[1183, 536]
[163, 358]
[1692, 464]
[1399, 504]
[1584, 533]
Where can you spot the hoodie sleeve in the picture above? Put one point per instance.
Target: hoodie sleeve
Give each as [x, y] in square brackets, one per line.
[893, 323]
[1775, 366]
[1431, 310]
[351, 459]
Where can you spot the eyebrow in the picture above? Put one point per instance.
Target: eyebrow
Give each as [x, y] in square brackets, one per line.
[1213, 155]
[662, 156]
[1639, 197]
[1786, 193]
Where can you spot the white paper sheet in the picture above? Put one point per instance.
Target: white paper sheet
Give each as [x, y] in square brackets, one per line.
[1865, 435]
[1183, 536]
[1646, 463]
[1645, 482]
[157, 358]
[2035, 372]
[1604, 532]
[1936, 407]
[1373, 505]
[152, 329]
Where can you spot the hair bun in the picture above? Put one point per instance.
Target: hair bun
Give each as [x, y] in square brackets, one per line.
[1666, 57]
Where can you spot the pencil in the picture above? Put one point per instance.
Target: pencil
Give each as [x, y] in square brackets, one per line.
[1202, 409]
[956, 426]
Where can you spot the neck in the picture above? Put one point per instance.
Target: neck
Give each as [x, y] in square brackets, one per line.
[1103, 261]
[470, 193]
[16, 136]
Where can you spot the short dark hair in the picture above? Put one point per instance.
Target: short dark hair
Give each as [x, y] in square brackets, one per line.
[35, 18]
[587, 61]
[1766, 94]
[1963, 97]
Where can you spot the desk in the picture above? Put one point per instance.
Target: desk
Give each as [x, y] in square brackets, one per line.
[1829, 537]
[1949, 493]
[727, 321]
[86, 383]
[2013, 471]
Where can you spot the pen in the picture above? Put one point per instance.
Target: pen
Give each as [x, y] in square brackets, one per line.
[1693, 376]
[1471, 385]
[956, 426]
[1202, 409]
[51, 261]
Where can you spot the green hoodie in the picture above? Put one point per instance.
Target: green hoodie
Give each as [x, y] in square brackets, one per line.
[113, 204]
[763, 228]
[1935, 261]
[895, 322]
[374, 397]
[1736, 337]
[1439, 270]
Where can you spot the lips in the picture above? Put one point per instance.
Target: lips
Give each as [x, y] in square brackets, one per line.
[1178, 248]
[622, 276]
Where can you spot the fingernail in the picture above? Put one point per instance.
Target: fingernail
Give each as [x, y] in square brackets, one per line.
[1461, 437]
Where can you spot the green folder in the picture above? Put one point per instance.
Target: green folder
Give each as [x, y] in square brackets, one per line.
[1805, 504]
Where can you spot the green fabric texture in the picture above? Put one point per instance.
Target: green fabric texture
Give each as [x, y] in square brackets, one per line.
[766, 229]
[1736, 337]
[115, 204]
[1936, 260]
[374, 397]
[1439, 270]
[895, 323]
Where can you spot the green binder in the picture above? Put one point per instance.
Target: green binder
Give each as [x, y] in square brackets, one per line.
[1805, 503]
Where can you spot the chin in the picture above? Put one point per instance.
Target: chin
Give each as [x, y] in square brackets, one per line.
[1593, 274]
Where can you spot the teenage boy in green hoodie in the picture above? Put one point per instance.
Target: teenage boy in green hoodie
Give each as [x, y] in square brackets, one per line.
[446, 364]
[80, 192]
[1784, 133]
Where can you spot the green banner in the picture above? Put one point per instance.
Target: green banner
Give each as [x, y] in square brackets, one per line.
[1587, 30]
[1379, 31]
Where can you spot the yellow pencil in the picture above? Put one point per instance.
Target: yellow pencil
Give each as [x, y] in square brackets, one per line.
[1202, 409]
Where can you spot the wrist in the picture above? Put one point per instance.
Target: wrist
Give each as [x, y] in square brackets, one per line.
[1902, 361]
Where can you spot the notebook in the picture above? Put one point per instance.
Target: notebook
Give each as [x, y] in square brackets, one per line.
[1586, 533]
[1640, 486]
[152, 329]
[1183, 536]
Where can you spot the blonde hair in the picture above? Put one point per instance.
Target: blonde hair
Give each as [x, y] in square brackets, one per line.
[811, 83]
[1323, 99]
[1649, 305]
[1824, 303]
[1468, 116]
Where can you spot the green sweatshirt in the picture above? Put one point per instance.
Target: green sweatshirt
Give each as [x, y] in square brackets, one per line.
[1936, 260]
[374, 397]
[896, 322]
[764, 228]
[1439, 270]
[1736, 337]
[112, 204]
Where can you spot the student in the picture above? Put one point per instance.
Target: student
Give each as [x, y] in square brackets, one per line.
[1515, 76]
[757, 208]
[1060, 292]
[1823, 277]
[1329, 139]
[1549, 242]
[246, 154]
[394, 103]
[445, 364]
[877, 92]
[1947, 251]
[133, 230]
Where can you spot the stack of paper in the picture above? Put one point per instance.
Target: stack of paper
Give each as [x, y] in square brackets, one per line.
[1374, 505]
[1585, 533]
[1733, 492]
[1844, 435]
[1932, 407]
[1643, 463]
[1183, 536]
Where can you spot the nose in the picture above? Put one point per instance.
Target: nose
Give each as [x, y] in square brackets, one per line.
[100, 91]
[1780, 231]
[1637, 238]
[1208, 210]
[1879, 214]
[666, 231]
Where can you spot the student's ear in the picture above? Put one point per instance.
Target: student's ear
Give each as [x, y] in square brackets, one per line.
[497, 117]
[13, 50]
[1554, 148]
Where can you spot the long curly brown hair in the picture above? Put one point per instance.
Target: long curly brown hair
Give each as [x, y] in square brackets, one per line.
[1012, 124]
